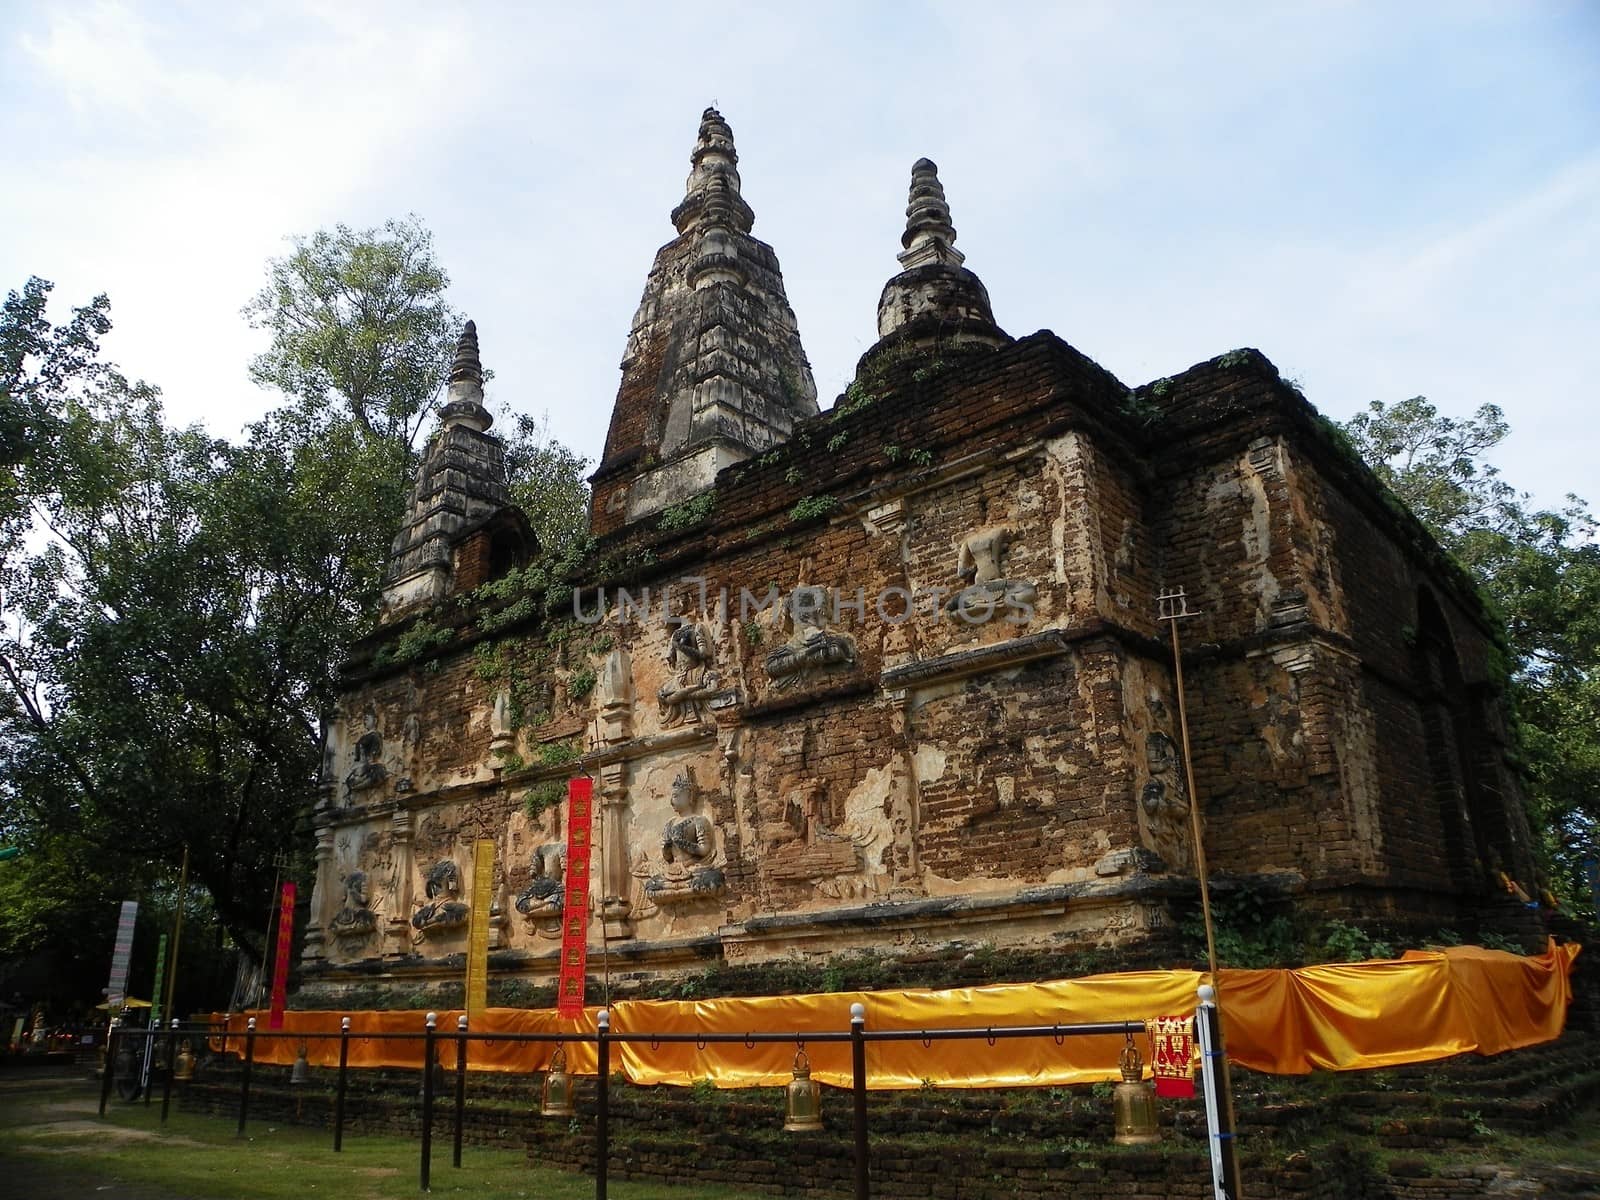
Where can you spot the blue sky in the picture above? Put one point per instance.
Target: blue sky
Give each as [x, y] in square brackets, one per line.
[1387, 199]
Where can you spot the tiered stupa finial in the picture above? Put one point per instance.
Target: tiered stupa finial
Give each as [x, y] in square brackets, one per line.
[464, 398]
[929, 235]
[935, 301]
[711, 194]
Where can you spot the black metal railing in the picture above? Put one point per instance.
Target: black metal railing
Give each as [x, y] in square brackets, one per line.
[857, 1035]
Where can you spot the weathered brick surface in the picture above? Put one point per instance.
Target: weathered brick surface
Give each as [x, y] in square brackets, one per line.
[1345, 723]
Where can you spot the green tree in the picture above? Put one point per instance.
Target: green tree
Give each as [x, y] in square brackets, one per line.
[173, 607]
[547, 482]
[1540, 569]
[359, 320]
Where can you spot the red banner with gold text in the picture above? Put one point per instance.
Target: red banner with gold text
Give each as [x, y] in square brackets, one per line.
[280, 967]
[1171, 1052]
[575, 900]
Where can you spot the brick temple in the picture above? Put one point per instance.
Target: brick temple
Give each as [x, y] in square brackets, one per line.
[894, 675]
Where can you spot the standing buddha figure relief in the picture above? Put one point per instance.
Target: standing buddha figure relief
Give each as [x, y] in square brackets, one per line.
[1164, 804]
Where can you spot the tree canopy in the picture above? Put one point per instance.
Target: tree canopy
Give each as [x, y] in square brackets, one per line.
[174, 607]
[1540, 571]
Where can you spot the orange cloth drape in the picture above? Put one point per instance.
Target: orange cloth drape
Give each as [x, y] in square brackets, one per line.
[1342, 1016]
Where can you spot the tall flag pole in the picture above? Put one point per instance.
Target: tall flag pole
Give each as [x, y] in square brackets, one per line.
[280, 970]
[177, 936]
[478, 928]
[1173, 608]
[575, 902]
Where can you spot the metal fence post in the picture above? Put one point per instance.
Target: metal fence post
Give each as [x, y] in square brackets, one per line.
[244, 1079]
[149, 1063]
[602, 1103]
[110, 1070]
[338, 1095]
[166, 1085]
[427, 1096]
[1214, 1077]
[461, 1085]
[858, 1083]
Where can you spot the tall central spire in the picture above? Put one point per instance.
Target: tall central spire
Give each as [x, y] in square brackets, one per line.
[711, 195]
[714, 372]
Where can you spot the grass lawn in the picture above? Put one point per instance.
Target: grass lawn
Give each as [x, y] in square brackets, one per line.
[53, 1143]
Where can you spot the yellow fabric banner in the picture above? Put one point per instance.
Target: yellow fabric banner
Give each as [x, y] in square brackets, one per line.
[1425, 1005]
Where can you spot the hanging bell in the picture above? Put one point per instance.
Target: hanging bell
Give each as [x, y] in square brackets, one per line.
[183, 1065]
[555, 1099]
[1133, 1102]
[803, 1099]
[301, 1072]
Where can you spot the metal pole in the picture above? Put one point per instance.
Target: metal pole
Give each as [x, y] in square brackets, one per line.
[244, 1079]
[461, 1085]
[111, 1064]
[338, 1095]
[602, 1103]
[1174, 613]
[177, 933]
[427, 1096]
[149, 1063]
[1194, 802]
[1218, 1101]
[166, 1085]
[858, 1085]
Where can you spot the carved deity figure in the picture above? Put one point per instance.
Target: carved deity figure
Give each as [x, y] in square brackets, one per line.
[368, 771]
[355, 918]
[541, 899]
[1164, 803]
[692, 657]
[980, 564]
[812, 647]
[691, 861]
[444, 909]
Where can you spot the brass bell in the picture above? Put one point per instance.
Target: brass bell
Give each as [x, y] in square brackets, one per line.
[183, 1065]
[555, 1099]
[803, 1099]
[1133, 1102]
[301, 1072]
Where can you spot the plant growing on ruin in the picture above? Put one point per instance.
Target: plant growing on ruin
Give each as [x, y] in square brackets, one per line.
[688, 514]
[811, 507]
[542, 797]
[580, 683]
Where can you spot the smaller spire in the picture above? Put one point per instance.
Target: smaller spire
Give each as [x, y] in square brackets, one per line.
[929, 237]
[934, 301]
[468, 366]
[464, 399]
[711, 194]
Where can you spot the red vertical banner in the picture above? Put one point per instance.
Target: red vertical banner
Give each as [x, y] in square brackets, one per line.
[280, 966]
[575, 900]
[1172, 1055]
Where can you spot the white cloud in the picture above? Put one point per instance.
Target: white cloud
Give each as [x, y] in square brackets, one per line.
[1157, 183]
